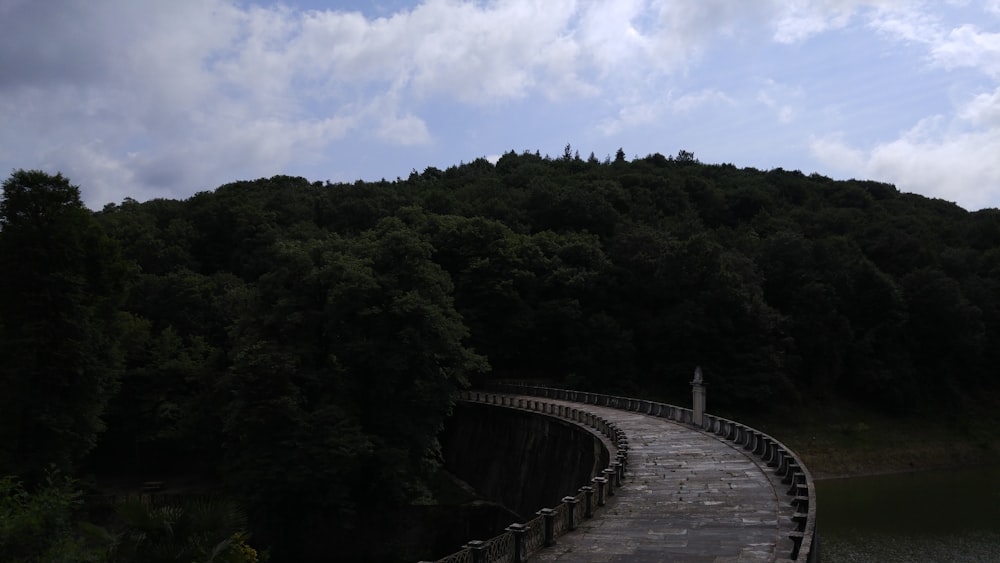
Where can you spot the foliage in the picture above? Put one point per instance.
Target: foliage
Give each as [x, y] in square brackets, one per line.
[38, 525]
[196, 531]
[61, 282]
[301, 341]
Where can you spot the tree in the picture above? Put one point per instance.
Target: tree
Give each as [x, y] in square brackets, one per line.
[61, 281]
[344, 366]
[686, 157]
[37, 524]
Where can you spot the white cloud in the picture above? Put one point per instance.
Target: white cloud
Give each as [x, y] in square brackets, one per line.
[833, 151]
[798, 20]
[983, 110]
[684, 29]
[161, 96]
[406, 130]
[775, 96]
[149, 99]
[696, 100]
[966, 46]
[907, 23]
[935, 158]
[947, 155]
[644, 113]
[608, 33]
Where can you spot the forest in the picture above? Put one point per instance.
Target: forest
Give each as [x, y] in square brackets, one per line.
[292, 346]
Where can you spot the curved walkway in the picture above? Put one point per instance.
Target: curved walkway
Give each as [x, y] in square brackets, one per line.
[687, 496]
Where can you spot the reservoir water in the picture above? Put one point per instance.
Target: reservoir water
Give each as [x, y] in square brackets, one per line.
[941, 515]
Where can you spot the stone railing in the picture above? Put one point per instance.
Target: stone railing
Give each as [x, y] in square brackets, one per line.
[801, 493]
[522, 540]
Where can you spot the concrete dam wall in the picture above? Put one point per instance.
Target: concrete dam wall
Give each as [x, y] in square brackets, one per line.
[522, 460]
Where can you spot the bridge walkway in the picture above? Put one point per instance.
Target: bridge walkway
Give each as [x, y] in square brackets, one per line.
[688, 496]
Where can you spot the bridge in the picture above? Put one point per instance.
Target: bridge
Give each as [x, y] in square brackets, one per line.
[683, 485]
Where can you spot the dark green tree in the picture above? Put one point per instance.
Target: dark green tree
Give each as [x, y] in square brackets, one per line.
[36, 524]
[61, 281]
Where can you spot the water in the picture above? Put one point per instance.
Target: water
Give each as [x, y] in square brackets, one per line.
[944, 515]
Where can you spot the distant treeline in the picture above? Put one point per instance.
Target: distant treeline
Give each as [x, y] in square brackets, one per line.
[301, 339]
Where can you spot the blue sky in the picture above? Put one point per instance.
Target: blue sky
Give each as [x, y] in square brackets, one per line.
[145, 99]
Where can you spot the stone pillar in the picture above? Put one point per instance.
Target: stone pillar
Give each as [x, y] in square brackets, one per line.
[478, 549]
[588, 500]
[549, 517]
[617, 466]
[609, 475]
[601, 484]
[698, 398]
[570, 503]
[518, 530]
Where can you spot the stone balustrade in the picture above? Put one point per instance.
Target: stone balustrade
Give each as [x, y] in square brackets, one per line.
[801, 492]
[520, 541]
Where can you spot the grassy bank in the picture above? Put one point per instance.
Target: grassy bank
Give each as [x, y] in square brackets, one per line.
[843, 440]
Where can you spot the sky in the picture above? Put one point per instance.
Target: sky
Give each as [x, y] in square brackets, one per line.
[151, 99]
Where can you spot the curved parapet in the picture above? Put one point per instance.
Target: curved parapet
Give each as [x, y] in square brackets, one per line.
[798, 487]
[801, 491]
[521, 540]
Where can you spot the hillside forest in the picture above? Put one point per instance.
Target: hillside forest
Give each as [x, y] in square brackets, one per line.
[295, 344]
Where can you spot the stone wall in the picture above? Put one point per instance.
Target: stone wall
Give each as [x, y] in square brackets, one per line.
[523, 460]
[536, 439]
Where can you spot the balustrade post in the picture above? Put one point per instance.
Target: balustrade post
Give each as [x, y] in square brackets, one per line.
[621, 466]
[549, 517]
[616, 466]
[588, 501]
[783, 459]
[518, 531]
[772, 454]
[570, 503]
[761, 448]
[602, 483]
[609, 475]
[478, 549]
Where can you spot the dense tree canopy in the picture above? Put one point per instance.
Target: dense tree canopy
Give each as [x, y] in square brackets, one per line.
[61, 283]
[301, 341]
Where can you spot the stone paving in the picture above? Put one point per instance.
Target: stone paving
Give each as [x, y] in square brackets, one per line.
[687, 496]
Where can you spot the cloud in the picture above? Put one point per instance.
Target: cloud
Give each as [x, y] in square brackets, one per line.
[775, 96]
[799, 20]
[983, 110]
[947, 155]
[145, 97]
[966, 46]
[952, 160]
[161, 99]
[642, 113]
[406, 130]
